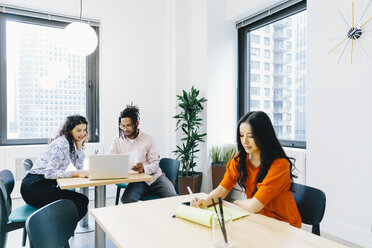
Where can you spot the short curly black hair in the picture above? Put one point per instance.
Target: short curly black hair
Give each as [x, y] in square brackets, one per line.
[132, 112]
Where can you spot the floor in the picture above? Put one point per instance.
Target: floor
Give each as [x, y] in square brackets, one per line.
[86, 240]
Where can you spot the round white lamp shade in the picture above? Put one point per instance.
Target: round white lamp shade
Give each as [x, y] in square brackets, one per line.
[80, 38]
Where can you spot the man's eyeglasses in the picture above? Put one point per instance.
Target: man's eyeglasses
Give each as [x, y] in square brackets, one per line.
[126, 126]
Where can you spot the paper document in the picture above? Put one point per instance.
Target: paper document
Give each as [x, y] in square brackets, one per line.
[204, 216]
[133, 158]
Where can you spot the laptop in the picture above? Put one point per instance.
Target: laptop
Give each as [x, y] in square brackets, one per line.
[108, 166]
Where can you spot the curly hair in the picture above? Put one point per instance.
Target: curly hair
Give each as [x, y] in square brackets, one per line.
[70, 123]
[132, 112]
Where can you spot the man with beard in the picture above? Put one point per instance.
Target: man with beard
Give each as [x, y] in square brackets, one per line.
[132, 140]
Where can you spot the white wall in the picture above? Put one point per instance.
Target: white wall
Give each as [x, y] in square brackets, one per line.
[338, 124]
[205, 58]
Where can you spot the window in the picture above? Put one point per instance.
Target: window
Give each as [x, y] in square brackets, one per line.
[278, 44]
[289, 45]
[255, 65]
[284, 69]
[266, 79]
[278, 56]
[267, 91]
[255, 104]
[255, 39]
[267, 54]
[278, 118]
[41, 79]
[255, 52]
[278, 105]
[289, 57]
[278, 81]
[289, 129]
[255, 78]
[255, 91]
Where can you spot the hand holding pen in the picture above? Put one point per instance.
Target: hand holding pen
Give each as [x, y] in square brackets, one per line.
[195, 201]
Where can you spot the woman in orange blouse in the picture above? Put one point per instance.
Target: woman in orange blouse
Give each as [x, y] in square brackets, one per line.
[262, 169]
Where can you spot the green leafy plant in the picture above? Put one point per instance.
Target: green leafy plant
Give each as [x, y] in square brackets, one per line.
[228, 152]
[215, 154]
[189, 122]
[221, 155]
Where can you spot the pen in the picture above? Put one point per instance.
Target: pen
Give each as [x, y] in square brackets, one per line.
[192, 194]
[222, 219]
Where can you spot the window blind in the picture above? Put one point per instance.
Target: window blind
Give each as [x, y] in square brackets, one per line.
[268, 12]
[7, 9]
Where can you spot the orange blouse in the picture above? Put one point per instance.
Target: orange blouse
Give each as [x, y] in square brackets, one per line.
[273, 192]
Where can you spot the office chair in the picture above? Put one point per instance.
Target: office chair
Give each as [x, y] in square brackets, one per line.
[311, 203]
[27, 164]
[15, 219]
[170, 167]
[52, 225]
[4, 207]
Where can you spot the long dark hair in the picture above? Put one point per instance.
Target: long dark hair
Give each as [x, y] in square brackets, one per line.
[269, 145]
[132, 112]
[70, 123]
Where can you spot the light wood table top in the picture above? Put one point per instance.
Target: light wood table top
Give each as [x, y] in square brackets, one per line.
[150, 224]
[79, 182]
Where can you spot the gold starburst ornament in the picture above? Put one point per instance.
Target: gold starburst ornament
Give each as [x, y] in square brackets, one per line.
[353, 32]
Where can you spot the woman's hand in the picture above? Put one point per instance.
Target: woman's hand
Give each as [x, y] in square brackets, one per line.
[80, 174]
[252, 205]
[199, 203]
[79, 143]
[203, 203]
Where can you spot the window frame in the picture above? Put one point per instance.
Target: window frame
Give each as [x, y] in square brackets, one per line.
[92, 84]
[243, 53]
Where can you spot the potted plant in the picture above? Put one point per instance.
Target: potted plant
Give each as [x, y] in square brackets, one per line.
[189, 122]
[220, 156]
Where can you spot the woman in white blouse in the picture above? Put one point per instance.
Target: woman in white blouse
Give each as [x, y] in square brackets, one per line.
[39, 186]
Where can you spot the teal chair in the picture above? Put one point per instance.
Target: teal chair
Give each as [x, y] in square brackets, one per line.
[15, 219]
[27, 164]
[170, 167]
[52, 225]
[118, 189]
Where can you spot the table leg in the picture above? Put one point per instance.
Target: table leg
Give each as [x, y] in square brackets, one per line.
[100, 201]
[83, 226]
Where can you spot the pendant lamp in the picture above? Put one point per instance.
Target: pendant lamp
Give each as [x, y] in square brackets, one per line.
[80, 38]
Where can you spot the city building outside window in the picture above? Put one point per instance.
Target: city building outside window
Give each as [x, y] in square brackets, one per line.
[284, 73]
[42, 82]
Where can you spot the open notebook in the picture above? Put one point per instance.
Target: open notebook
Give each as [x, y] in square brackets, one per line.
[204, 216]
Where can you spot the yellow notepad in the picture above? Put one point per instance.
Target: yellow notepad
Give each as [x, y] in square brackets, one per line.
[204, 216]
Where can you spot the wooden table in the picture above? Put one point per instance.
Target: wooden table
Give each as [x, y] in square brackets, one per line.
[100, 194]
[150, 224]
